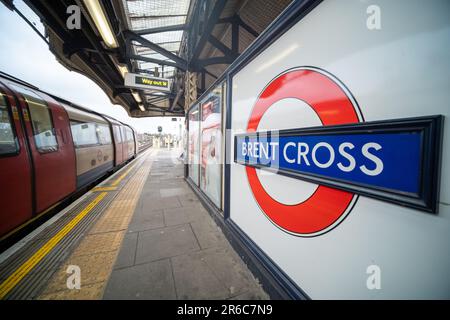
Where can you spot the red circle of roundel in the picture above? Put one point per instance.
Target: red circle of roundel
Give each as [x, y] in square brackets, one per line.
[333, 106]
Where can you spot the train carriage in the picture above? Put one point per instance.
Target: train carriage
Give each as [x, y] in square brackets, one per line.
[50, 149]
[93, 144]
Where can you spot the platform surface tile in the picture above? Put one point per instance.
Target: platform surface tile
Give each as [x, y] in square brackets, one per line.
[156, 241]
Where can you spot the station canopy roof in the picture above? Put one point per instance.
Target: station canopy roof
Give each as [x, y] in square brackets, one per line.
[143, 16]
[155, 38]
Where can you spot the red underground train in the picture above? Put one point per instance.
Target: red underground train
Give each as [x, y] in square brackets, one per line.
[50, 149]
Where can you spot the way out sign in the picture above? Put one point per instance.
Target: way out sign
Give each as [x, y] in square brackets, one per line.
[140, 81]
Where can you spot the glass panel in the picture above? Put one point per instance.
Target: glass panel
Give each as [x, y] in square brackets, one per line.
[211, 146]
[146, 14]
[128, 134]
[8, 141]
[104, 134]
[117, 134]
[164, 37]
[138, 24]
[84, 134]
[124, 134]
[193, 144]
[41, 121]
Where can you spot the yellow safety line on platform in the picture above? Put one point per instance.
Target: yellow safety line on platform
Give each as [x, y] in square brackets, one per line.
[103, 189]
[117, 181]
[101, 243]
[26, 267]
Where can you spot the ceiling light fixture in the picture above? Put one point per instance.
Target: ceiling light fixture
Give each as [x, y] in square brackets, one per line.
[136, 96]
[101, 22]
[123, 70]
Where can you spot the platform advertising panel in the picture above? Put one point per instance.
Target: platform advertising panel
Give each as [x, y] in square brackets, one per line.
[340, 148]
[194, 144]
[211, 146]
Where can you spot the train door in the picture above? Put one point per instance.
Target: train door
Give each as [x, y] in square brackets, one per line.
[124, 143]
[15, 167]
[119, 144]
[47, 128]
[135, 144]
[130, 143]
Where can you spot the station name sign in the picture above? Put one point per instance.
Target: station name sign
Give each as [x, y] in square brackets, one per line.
[140, 81]
[395, 161]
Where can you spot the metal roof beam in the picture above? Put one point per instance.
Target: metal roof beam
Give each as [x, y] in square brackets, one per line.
[247, 27]
[166, 94]
[241, 22]
[157, 17]
[179, 62]
[235, 37]
[156, 61]
[165, 42]
[152, 107]
[144, 71]
[214, 16]
[118, 90]
[150, 51]
[157, 99]
[176, 27]
[175, 101]
[214, 60]
[125, 89]
[226, 20]
[219, 45]
[209, 73]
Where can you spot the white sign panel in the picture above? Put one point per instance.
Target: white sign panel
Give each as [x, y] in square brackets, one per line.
[338, 66]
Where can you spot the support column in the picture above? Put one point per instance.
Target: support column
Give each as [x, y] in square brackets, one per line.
[190, 89]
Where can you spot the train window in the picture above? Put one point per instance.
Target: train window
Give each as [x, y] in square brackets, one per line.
[41, 121]
[129, 134]
[117, 134]
[104, 134]
[84, 134]
[124, 136]
[8, 141]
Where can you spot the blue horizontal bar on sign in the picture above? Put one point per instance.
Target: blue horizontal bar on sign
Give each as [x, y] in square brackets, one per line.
[384, 159]
[390, 161]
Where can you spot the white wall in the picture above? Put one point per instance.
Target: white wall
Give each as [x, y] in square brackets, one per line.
[399, 71]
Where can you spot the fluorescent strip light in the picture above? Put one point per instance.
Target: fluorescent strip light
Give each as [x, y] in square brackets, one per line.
[101, 22]
[136, 96]
[141, 106]
[123, 70]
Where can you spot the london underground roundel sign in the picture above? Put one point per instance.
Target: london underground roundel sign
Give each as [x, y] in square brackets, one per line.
[334, 105]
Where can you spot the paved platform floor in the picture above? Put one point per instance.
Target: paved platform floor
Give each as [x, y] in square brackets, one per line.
[172, 248]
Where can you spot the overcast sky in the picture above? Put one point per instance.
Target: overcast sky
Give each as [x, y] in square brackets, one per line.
[26, 56]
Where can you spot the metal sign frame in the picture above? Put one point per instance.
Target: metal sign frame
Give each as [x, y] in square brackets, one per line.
[134, 80]
[430, 151]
